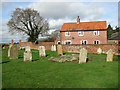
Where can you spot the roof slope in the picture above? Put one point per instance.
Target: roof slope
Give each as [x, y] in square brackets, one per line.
[84, 26]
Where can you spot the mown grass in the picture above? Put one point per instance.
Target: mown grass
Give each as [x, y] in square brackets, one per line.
[41, 73]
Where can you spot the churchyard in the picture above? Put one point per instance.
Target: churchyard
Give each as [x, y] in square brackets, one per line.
[30, 68]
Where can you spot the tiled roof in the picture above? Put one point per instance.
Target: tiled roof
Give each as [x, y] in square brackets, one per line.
[84, 26]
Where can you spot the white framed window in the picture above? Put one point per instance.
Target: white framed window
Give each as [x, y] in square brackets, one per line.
[96, 42]
[58, 42]
[96, 33]
[67, 33]
[67, 42]
[80, 33]
[83, 41]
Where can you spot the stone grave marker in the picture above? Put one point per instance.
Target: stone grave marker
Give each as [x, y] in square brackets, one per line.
[9, 50]
[27, 48]
[14, 52]
[110, 55]
[83, 56]
[59, 50]
[99, 51]
[42, 51]
[27, 56]
[54, 47]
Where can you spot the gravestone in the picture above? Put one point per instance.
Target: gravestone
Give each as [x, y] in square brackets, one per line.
[54, 47]
[110, 55]
[14, 52]
[59, 50]
[9, 50]
[42, 51]
[27, 56]
[83, 56]
[99, 51]
[27, 48]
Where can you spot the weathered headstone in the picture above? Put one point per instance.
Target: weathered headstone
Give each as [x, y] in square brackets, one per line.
[83, 56]
[27, 56]
[27, 48]
[110, 55]
[42, 51]
[9, 50]
[54, 47]
[99, 50]
[59, 50]
[14, 52]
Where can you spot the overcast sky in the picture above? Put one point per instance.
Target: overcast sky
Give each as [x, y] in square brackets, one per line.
[58, 13]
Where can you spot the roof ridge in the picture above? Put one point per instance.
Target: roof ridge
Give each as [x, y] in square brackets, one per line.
[87, 22]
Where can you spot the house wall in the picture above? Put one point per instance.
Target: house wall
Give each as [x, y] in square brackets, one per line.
[88, 35]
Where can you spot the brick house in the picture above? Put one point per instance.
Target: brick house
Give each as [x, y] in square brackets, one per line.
[84, 32]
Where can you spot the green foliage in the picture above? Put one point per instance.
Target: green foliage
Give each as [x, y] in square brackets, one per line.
[42, 73]
[110, 31]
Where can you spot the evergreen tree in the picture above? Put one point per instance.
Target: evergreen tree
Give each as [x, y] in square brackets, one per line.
[109, 31]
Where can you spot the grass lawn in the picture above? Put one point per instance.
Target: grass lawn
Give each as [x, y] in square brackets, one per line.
[41, 73]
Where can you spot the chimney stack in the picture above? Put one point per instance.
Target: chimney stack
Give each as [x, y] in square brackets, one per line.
[78, 20]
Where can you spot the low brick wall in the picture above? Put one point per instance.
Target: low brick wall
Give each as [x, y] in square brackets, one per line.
[35, 46]
[91, 48]
[75, 48]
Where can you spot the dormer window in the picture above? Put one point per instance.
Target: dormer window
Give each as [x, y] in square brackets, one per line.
[67, 33]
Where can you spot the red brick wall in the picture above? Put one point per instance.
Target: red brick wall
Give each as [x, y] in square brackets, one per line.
[35, 46]
[88, 35]
[90, 48]
[56, 41]
[113, 41]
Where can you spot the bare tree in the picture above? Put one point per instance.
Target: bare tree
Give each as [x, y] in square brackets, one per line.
[29, 22]
[55, 34]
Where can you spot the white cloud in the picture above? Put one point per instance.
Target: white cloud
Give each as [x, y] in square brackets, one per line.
[6, 36]
[56, 24]
[60, 10]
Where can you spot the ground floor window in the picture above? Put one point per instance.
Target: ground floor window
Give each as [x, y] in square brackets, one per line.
[97, 42]
[58, 42]
[83, 41]
[67, 42]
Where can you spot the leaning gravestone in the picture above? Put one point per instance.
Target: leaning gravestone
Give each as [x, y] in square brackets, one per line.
[27, 56]
[14, 52]
[54, 47]
[83, 56]
[59, 50]
[9, 50]
[27, 48]
[110, 55]
[99, 50]
[42, 51]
